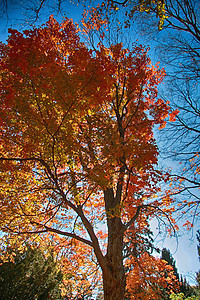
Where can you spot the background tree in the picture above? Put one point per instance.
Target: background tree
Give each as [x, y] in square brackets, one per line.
[35, 9]
[179, 49]
[30, 276]
[167, 256]
[178, 46]
[198, 273]
[78, 157]
[181, 296]
[184, 286]
[198, 245]
[187, 292]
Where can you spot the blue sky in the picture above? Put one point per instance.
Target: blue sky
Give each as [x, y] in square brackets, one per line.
[185, 249]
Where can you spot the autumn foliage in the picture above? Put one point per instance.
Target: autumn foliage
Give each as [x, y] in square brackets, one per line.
[77, 156]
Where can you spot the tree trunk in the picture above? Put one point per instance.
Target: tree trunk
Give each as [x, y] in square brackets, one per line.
[114, 275]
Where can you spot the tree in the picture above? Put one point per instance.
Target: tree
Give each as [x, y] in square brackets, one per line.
[184, 286]
[198, 273]
[34, 10]
[78, 157]
[198, 246]
[166, 255]
[180, 296]
[178, 49]
[30, 276]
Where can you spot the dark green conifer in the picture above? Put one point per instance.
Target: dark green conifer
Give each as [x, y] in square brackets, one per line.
[30, 276]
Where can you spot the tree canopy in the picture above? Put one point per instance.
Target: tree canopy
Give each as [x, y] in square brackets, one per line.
[78, 156]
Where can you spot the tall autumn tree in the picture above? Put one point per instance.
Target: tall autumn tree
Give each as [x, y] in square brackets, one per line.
[78, 157]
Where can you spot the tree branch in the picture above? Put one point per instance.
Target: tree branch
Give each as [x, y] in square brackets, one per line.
[49, 229]
[69, 234]
[134, 218]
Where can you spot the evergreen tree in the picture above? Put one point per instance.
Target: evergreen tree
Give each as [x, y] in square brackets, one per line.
[167, 256]
[198, 246]
[198, 273]
[185, 287]
[30, 276]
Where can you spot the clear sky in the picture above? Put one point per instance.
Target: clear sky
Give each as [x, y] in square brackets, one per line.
[185, 249]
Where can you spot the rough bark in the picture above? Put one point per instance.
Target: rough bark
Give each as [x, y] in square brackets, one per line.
[114, 275]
